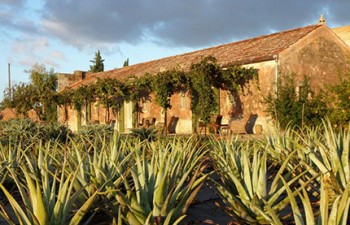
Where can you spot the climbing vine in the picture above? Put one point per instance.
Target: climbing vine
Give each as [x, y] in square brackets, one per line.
[204, 75]
[164, 85]
[138, 88]
[235, 79]
[111, 94]
[64, 99]
[79, 101]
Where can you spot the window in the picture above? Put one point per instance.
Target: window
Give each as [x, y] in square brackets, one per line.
[146, 106]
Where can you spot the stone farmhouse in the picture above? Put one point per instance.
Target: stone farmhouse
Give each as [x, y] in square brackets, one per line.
[315, 50]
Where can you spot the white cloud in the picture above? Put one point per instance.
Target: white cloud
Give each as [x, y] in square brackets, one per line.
[57, 55]
[30, 50]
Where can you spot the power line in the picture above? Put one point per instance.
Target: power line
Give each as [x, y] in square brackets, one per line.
[9, 77]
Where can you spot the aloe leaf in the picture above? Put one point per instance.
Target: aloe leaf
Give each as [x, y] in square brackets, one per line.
[332, 219]
[262, 178]
[343, 208]
[20, 214]
[35, 194]
[78, 216]
[323, 216]
[259, 211]
[298, 218]
[280, 172]
[309, 215]
[247, 175]
[169, 218]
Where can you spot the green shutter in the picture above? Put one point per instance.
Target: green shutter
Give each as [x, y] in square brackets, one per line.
[121, 119]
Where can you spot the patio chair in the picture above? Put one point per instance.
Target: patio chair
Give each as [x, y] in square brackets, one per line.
[214, 124]
[147, 122]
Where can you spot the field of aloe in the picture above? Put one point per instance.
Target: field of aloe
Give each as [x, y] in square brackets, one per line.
[50, 176]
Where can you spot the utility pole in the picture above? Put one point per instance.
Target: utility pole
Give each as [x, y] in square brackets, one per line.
[9, 77]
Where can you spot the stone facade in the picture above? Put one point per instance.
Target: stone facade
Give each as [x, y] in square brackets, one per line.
[315, 51]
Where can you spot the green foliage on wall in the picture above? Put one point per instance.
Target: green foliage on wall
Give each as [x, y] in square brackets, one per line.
[110, 93]
[204, 76]
[165, 84]
[202, 81]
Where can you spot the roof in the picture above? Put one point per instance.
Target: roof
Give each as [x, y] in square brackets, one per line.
[252, 50]
[10, 113]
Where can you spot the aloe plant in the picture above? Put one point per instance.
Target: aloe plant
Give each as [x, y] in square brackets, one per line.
[162, 185]
[327, 151]
[143, 133]
[280, 144]
[46, 197]
[9, 157]
[251, 193]
[101, 169]
[337, 215]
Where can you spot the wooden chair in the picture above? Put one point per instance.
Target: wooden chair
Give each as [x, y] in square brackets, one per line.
[215, 124]
[239, 126]
[147, 122]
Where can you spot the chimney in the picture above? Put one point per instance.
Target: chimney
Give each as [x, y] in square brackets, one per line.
[322, 20]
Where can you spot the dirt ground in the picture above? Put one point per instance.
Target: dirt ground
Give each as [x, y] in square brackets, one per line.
[205, 210]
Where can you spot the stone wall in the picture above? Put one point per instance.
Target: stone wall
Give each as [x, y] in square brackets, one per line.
[322, 56]
[67, 79]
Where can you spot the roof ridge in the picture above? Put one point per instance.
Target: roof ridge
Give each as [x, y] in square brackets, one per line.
[230, 43]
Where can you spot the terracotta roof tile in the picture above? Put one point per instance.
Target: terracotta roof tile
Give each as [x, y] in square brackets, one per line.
[237, 53]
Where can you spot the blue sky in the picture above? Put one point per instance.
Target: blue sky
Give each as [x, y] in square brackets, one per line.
[65, 34]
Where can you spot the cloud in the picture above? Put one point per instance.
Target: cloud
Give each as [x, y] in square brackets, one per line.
[57, 55]
[31, 50]
[185, 23]
[14, 15]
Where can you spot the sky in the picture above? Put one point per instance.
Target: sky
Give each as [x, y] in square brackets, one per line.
[65, 34]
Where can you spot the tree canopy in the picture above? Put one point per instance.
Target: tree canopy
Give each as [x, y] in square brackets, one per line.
[97, 65]
[39, 94]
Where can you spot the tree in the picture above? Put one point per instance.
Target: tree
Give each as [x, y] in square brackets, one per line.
[164, 85]
[339, 102]
[111, 94]
[98, 65]
[44, 84]
[126, 62]
[39, 94]
[296, 105]
[21, 99]
[64, 99]
[203, 98]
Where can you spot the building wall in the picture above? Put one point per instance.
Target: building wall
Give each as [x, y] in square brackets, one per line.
[66, 79]
[322, 56]
[180, 111]
[252, 99]
[248, 102]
